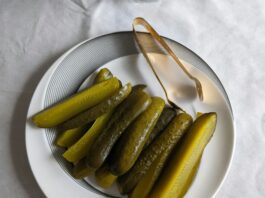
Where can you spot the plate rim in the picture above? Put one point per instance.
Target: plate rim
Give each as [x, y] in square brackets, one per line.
[54, 66]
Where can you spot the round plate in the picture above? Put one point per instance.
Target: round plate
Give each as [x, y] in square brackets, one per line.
[69, 71]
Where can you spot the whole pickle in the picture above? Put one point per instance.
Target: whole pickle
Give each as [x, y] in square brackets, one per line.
[179, 171]
[123, 116]
[170, 136]
[131, 143]
[98, 110]
[74, 105]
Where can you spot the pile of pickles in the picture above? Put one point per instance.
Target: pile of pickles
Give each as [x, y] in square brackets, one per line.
[121, 134]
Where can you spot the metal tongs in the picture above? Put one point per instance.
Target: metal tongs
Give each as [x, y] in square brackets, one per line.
[152, 41]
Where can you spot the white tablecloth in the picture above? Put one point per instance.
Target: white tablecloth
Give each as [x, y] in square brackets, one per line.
[227, 34]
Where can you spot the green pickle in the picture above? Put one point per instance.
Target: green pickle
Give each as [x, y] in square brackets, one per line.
[190, 178]
[99, 109]
[69, 137]
[104, 177]
[120, 133]
[181, 167]
[146, 183]
[80, 169]
[132, 141]
[169, 137]
[62, 111]
[167, 115]
[79, 150]
[123, 116]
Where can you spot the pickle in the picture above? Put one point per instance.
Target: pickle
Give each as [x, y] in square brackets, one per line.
[130, 144]
[123, 116]
[104, 177]
[79, 150]
[74, 105]
[81, 171]
[179, 170]
[99, 109]
[146, 183]
[102, 75]
[167, 115]
[69, 137]
[169, 137]
[190, 178]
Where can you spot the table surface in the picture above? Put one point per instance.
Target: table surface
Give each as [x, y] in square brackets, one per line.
[228, 35]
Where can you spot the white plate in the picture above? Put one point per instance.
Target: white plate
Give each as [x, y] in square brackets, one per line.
[65, 76]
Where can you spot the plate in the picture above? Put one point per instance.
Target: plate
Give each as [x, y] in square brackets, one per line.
[117, 52]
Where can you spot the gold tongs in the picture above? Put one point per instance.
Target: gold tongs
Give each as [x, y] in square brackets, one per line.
[151, 41]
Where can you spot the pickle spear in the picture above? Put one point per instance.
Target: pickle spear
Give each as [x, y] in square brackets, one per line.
[79, 150]
[104, 177]
[190, 179]
[131, 143]
[169, 137]
[69, 137]
[74, 105]
[123, 116]
[167, 115]
[177, 174]
[99, 109]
